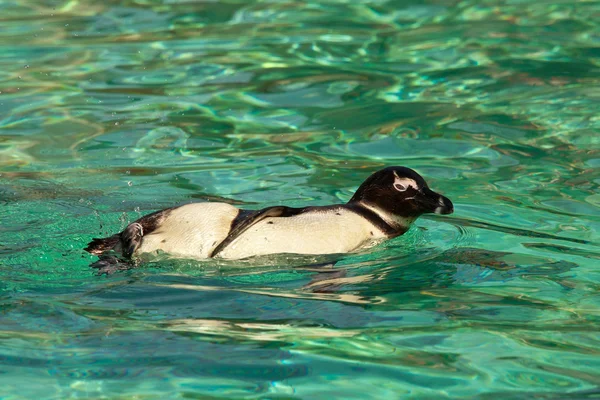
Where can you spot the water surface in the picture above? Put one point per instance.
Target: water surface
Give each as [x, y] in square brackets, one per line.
[113, 109]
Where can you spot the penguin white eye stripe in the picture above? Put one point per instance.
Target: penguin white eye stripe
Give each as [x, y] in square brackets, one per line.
[399, 187]
[401, 184]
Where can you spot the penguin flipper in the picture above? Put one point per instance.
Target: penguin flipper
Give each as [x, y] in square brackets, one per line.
[131, 238]
[247, 219]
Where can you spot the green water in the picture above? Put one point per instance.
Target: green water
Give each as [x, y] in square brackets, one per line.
[112, 109]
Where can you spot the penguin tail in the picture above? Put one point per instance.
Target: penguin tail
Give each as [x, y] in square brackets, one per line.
[99, 246]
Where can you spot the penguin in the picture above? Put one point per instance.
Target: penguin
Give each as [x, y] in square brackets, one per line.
[383, 207]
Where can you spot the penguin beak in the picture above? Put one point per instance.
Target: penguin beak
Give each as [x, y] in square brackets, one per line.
[432, 202]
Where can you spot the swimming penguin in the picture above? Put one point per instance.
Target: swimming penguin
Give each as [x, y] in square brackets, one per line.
[383, 207]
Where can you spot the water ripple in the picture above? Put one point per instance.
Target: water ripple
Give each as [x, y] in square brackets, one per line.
[110, 111]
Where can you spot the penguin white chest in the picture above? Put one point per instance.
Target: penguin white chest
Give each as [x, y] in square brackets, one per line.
[193, 230]
[314, 232]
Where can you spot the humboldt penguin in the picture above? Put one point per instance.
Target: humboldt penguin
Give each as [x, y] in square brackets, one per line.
[383, 207]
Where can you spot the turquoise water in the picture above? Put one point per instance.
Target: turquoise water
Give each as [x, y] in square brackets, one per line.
[110, 110]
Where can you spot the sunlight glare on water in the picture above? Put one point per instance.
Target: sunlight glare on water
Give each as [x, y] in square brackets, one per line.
[112, 109]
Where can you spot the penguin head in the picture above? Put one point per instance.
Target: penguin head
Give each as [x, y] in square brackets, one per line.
[400, 194]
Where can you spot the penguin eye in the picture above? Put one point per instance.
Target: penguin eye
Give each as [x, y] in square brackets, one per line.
[399, 187]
